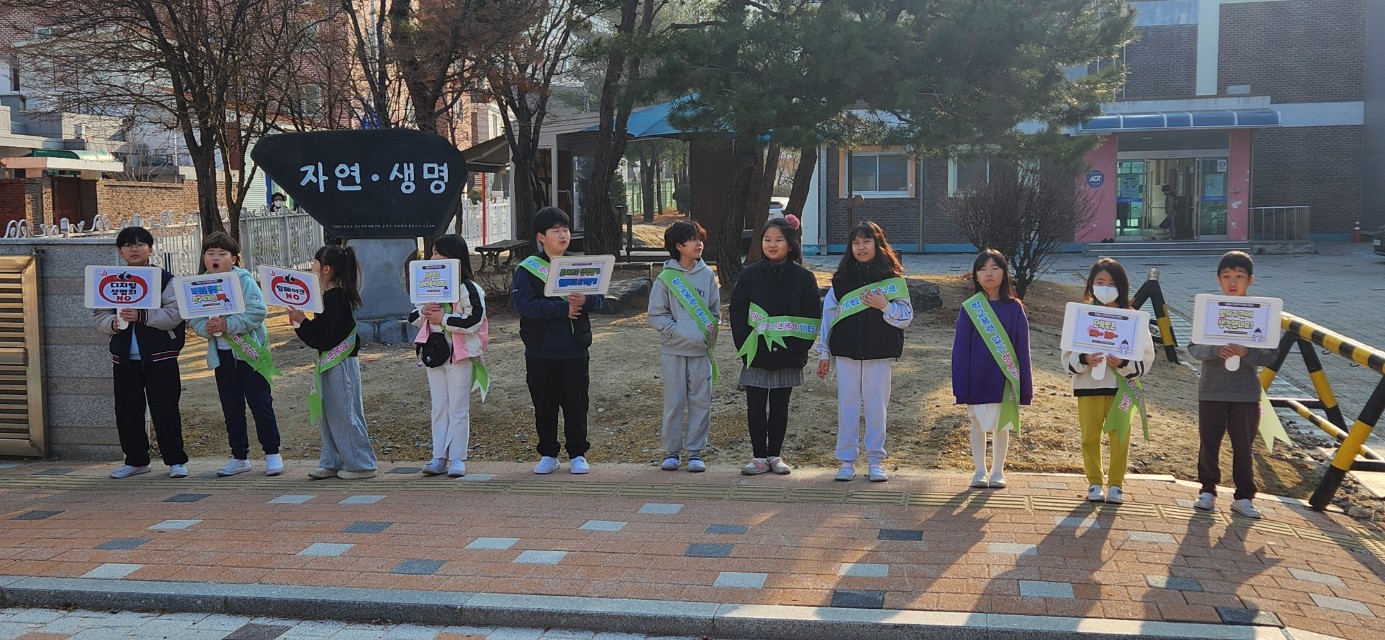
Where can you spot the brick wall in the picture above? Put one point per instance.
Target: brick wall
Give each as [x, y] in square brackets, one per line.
[1320, 167]
[937, 228]
[1161, 63]
[13, 202]
[1295, 50]
[898, 217]
[119, 199]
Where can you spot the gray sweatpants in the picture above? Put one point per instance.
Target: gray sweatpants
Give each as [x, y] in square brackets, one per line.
[687, 392]
[345, 444]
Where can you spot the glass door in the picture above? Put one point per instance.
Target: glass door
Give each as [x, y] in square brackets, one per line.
[1131, 205]
[1211, 197]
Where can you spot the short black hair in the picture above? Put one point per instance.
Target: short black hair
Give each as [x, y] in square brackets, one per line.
[682, 231]
[277, 195]
[1236, 260]
[221, 240]
[130, 235]
[550, 217]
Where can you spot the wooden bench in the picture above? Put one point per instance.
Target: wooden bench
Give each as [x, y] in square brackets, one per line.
[490, 253]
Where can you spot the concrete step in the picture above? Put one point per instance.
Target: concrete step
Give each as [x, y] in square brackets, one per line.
[1165, 248]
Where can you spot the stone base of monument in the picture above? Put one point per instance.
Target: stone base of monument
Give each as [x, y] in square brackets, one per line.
[387, 331]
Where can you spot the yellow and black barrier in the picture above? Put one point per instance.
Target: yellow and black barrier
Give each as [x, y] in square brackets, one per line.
[1351, 451]
[1151, 292]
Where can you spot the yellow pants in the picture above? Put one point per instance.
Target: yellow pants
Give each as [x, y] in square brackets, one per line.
[1091, 416]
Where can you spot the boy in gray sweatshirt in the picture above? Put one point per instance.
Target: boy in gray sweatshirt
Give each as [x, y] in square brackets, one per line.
[1229, 401]
[685, 308]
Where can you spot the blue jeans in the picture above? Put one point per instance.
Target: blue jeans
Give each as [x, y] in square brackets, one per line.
[238, 384]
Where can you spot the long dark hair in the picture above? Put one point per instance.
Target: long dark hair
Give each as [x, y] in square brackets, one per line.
[1117, 273]
[345, 271]
[790, 236]
[454, 246]
[1007, 287]
[884, 265]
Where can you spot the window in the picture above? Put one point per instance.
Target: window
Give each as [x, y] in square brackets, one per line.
[968, 170]
[312, 99]
[879, 174]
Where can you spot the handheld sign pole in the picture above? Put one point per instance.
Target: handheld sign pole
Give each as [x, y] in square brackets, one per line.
[123, 288]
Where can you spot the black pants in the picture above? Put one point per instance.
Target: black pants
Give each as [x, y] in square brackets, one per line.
[239, 384]
[1240, 420]
[767, 430]
[555, 384]
[159, 384]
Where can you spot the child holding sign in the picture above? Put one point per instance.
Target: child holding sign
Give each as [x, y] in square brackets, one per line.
[1229, 401]
[1107, 285]
[238, 351]
[557, 333]
[466, 330]
[685, 308]
[774, 320]
[145, 357]
[990, 363]
[863, 321]
[334, 401]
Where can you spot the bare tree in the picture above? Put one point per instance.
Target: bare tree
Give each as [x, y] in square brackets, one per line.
[196, 60]
[1027, 215]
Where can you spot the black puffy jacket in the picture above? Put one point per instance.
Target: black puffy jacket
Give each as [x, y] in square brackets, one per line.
[784, 289]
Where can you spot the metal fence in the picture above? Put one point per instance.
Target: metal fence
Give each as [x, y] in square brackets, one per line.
[1279, 224]
[287, 239]
[484, 222]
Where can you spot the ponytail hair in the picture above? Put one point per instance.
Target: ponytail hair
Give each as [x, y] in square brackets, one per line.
[345, 270]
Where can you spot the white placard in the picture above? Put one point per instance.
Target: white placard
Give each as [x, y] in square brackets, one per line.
[209, 295]
[291, 288]
[435, 281]
[123, 287]
[589, 275]
[1115, 332]
[1241, 320]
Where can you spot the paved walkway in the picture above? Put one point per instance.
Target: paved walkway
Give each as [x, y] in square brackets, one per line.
[634, 549]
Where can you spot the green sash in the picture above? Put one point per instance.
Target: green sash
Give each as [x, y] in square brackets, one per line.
[998, 343]
[851, 303]
[672, 278]
[1130, 397]
[480, 375]
[254, 354]
[325, 361]
[775, 329]
[537, 266]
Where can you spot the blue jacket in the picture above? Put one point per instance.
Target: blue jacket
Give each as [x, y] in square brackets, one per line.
[251, 321]
[544, 327]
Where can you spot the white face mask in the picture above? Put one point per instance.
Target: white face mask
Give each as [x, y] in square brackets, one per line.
[1104, 295]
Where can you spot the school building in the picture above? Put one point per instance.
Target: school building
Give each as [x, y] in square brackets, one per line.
[1240, 120]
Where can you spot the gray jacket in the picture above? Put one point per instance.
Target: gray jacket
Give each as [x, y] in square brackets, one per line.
[678, 330]
[1218, 384]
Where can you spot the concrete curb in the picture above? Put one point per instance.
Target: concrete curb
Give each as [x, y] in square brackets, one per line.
[654, 617]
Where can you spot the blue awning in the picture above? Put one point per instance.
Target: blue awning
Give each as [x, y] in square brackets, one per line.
[651, 121]
[1162, 120]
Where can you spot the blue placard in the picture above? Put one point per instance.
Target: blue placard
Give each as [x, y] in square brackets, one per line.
[1095, 178]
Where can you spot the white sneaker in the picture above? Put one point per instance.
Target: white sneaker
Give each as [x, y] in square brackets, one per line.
[978, 480]
[845, 473]
[1245, 508]
[1204, 501]
[1114, 495]
[579, 465]
[437, 467]
[877, 473]
[457, 469]
[234, 467]
[1094, 493]
[777, 465]
[997, 480]
[546, 465]
[273, 464]
[126, 471]
[178, 471]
